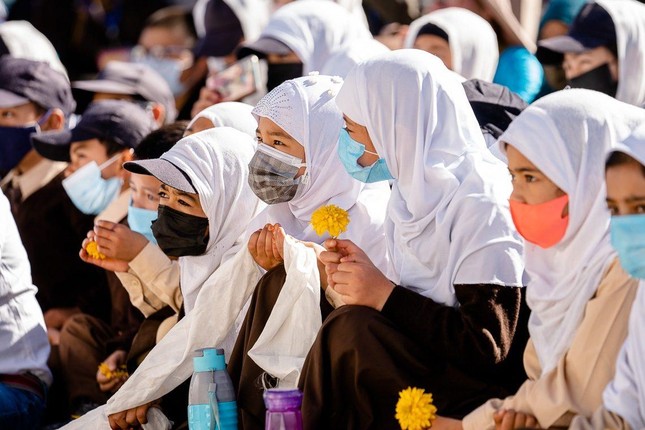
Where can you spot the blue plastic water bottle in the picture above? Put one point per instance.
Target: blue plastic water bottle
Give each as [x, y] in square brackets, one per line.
[211, 399]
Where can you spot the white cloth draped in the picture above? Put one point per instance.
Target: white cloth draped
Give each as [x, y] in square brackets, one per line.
[566, 136]
[447, 220]
[230, 114]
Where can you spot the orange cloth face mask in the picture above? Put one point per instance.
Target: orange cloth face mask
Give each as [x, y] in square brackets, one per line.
[541, 224]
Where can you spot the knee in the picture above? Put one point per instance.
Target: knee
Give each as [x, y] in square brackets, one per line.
[352, 323]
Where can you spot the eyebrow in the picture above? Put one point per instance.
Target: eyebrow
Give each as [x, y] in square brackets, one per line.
[634, 199]
[180, 193]
[279, 134]
[524, 170]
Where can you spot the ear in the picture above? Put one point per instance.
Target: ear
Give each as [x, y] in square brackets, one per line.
[56, 120]
[126, 155]
[158, 113]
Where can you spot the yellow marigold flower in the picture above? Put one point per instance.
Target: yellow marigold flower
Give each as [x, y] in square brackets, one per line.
[105, 370]
[415, 410]
[330, 219]
[92, 250]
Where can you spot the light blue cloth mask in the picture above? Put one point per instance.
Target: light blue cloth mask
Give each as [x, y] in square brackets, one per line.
[628, 239]
[350, 151]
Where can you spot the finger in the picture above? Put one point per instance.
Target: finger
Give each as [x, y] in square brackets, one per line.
[268, 243]
[350, 250]
[330, 244]
[349, 267]
[259, 249]
[330, 257]
[131, 417]
[142, 414]
[253, 241]
[531, 422]
[508, 422]
[102, 232]
[118, 421]
[520, 421]
[104, 224]
[331, 268]
[499, 416]
[279, 236]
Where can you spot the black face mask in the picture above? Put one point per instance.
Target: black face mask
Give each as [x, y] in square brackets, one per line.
[179, 234]
[278, 73]
[598, 79]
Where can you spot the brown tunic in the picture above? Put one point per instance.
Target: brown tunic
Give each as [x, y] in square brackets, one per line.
[464, 355]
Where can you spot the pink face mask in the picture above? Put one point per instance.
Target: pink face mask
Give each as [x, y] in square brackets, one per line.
[541, 224]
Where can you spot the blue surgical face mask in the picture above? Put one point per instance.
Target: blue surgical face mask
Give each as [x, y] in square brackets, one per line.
[140, 221]
[350, 151]
[628, 239]
[90, 193]
[170, 69]
[15, 143]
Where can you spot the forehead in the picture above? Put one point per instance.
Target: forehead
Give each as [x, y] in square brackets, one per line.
[90, 145]
[145, 181]
[163, 36]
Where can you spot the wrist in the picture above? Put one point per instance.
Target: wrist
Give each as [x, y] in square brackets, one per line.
[386, 289]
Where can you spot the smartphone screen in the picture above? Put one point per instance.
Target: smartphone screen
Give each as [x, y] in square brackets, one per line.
[237, 81]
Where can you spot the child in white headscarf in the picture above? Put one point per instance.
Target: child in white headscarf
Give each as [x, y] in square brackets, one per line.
[465, 42]
[624, 398]
[578, 294]
[299, 123]
[307, 36]
[453, 321]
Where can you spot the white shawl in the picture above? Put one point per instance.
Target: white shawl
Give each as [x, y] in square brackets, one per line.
[472, 40]
[629, 20]
[229, 114]
[566, 136]
[253, 15]
[216, 161]
[625, 395]
[305, 108]
[315, 31]
[447, 220]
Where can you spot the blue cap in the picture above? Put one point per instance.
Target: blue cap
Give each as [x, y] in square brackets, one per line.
[208, 359]
[121, 122]
[593, 27]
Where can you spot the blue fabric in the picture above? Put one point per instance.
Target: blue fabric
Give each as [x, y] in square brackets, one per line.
[562, 10]
[521, 72]
[20, 409]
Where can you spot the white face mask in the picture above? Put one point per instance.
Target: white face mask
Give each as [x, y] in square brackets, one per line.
[89, 192]
[170, 69]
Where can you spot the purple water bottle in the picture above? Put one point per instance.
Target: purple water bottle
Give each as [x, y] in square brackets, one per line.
[283, 409]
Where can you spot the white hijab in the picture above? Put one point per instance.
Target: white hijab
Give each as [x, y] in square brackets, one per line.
[216, 161]
[253, 16]
[629, 20]
[625, 395]
[446, 180]
[229, 114]
[305, 108]
[315, 31]
[566, 136]
[472, 40]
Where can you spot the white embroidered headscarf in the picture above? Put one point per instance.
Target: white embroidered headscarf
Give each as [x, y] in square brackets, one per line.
[315, 31]
[566, 136]
[229, 114]
[472, 40]
[446, 182]
[625, 395]
[216, 161]
[305, 108]
[629, 19]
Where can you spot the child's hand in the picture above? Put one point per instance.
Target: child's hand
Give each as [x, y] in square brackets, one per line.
[108, 383]
[262, 248]
[110, 264]
[355, 277]
[509, 419]
[118, 241]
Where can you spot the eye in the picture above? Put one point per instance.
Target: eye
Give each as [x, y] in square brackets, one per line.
[530, 178]
[278, 143]
[512, 176]
[184, 203]
[7, 114]
[640, 209]
[151, 197]
[258, 139]
[613, 210]
[163, 195]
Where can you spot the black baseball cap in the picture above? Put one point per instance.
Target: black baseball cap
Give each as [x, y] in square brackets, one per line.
[263, 47]
[121, 122]
[133, 79]
[23, 81]
[223, 31]
[592, 27]
[165, 170]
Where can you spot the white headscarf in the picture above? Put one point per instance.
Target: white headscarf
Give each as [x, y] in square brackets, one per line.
[446, 180]
[625, 395]
[472, 40]
[230, 114]
[566, 136]
[253, 16]
[315, 31]
[305, 108]
[216, 161]
[629, 19]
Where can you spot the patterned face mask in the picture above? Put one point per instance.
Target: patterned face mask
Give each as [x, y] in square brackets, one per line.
[272, 175]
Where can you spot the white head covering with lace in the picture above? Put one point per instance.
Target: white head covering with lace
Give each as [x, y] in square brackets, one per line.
[229, 114]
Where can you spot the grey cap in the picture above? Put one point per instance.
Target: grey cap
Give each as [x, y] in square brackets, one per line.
[121, 122]
[133, 79]
[164, 170]
[23, 81]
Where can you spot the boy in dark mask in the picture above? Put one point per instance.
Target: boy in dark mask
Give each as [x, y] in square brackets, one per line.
[603, 50]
